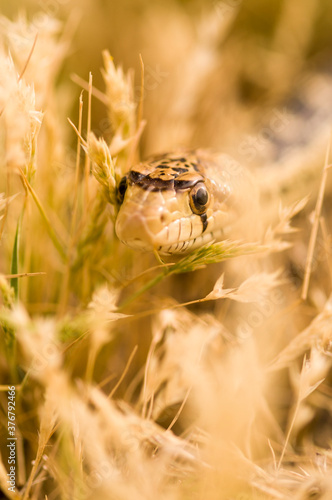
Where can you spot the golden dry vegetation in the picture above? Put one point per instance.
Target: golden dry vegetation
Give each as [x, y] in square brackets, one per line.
[208, 377]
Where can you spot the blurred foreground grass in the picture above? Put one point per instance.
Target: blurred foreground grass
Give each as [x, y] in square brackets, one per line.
[121, 390]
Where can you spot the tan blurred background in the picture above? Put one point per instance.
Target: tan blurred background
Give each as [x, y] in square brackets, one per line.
[214, 70]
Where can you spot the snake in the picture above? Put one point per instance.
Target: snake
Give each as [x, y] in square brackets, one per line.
[176, 202]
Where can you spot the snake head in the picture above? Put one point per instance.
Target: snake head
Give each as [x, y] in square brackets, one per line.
[176, 203]
[168, 205]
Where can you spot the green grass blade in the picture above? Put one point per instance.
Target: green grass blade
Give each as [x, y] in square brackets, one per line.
[198, 259]
[54, 237]
[15, 257]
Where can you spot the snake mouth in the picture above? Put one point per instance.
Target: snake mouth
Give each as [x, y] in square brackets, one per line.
[178, 247]
[138, 244]
[183, 247]
[151, 233]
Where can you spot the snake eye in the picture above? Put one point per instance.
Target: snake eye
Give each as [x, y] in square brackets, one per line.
[199, 198]
[122, 188]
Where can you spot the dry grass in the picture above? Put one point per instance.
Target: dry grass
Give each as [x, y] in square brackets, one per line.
[208, 377]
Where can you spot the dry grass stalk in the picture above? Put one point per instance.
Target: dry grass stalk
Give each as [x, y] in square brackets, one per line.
[121, 390]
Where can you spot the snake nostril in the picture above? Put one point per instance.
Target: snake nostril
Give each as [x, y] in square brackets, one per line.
[162, 218]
